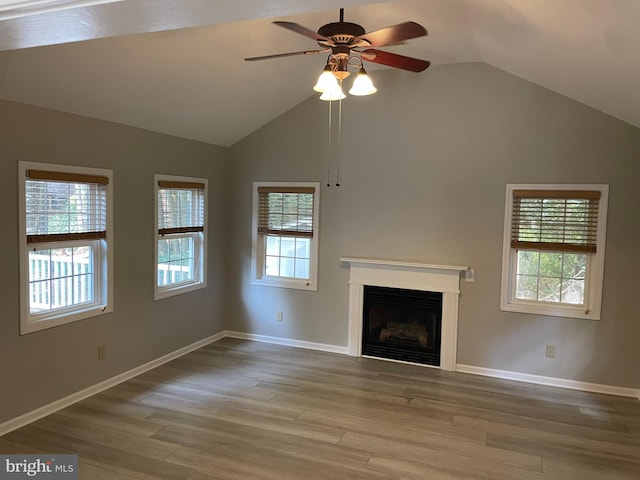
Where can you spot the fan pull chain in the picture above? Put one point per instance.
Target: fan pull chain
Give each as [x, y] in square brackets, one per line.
[329, 152]
[339, 137]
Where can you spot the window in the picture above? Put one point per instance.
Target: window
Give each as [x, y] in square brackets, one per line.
[553, 254]
[285, 235]
[180, 248]
[66, 260]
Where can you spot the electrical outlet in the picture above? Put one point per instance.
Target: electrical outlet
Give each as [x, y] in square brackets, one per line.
[551, 351]
[102, 352]
[279, 316]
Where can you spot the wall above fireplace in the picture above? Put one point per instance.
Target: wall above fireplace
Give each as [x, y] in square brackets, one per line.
[408, 275]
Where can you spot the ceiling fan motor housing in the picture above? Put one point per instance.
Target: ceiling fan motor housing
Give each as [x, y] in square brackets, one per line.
[341, 32]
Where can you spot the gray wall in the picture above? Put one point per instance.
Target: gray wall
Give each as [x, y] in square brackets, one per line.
[424, 168]
[41, 367]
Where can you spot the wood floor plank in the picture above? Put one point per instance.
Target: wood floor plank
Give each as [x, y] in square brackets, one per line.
[432, 446]
[96, 416]
[251, 432]
[546, 438]
[576, 455]
[237, 409]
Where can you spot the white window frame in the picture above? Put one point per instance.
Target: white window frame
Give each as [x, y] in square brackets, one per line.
[594, 278]
[103, 257]
[258, 275]
[199, 239]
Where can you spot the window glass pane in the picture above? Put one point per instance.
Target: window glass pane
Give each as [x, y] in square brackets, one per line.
[272, 266]
[288, 247]
[273, 245]
[287, 266]
[39, 263]
[176, 260]
[527, 288]
[302, 268]
[551, 264]
[61, 277]
[163, 250]
[574, 265]
[186, 269]
[175, 245]
[528, 262]
[549, 289]
[573, 291]
[303, 247]
[39, 297]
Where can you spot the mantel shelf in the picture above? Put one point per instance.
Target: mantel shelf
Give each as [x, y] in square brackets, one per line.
[402, 263]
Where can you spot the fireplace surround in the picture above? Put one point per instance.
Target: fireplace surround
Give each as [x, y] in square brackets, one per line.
[428, 277]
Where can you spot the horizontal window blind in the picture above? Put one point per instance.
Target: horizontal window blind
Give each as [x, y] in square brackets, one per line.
[62, 206]
[180, 207]
[286, 211]
[555, 220]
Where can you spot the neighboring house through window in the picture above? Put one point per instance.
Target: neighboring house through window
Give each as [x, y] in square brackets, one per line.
[553, 257]
[65, 247]
[285, 235]
[181, 230]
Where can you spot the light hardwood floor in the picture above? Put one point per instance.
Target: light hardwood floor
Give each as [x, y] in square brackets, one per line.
[247, 410]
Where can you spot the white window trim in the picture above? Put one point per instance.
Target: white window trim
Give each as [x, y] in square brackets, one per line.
[257, 251]
[104, 303]
[595, 280]
[200, 247]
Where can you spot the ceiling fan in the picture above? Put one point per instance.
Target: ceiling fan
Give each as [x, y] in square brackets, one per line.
[347, 42]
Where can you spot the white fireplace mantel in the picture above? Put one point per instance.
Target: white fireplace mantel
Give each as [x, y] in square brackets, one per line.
[430, 277]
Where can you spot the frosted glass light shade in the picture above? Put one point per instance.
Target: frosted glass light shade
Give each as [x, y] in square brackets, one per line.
[362, 85]
[326, 81]
[335, 93]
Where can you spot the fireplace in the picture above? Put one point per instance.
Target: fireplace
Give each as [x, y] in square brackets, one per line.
[399, 274]
[401, 324]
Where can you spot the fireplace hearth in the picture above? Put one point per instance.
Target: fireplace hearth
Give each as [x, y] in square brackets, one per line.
[402, 324]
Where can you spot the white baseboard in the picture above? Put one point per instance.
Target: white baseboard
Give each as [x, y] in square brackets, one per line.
[53, 407]
[289, 342]
[550, 381]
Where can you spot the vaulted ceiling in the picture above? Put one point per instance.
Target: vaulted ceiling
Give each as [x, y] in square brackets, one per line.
[178, 68]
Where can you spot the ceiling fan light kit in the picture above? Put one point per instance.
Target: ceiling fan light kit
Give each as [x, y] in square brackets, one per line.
[349, 45]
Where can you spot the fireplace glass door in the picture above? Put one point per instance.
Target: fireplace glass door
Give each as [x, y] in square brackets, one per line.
[401, 324]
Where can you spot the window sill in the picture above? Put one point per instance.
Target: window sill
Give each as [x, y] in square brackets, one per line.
[31, 324]
[178, 290]
[551, 310]
[285, 283]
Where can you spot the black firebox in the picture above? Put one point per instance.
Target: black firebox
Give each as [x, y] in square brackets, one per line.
[401, 324]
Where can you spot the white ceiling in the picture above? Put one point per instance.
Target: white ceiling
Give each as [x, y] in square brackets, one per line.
[187, 77]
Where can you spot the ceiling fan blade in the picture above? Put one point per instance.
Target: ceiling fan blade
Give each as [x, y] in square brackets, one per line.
[395, 60]
[294, 27]
[393, 34]
[289, 54]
